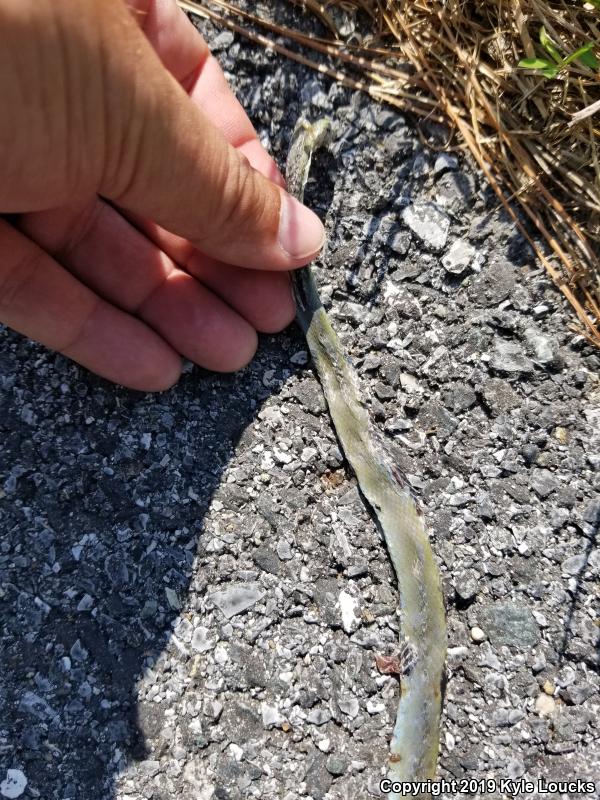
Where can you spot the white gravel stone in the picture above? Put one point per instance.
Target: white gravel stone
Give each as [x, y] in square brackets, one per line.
[236, 751]
[478, 635]
[308, 453]
[458, 257]
[201, 642]
[284, 550]
[545, 705]
[349, 607]
[300, 357]
[238, 597]
[445, 162]
[574, 564]
[14, 784]
[429, 223]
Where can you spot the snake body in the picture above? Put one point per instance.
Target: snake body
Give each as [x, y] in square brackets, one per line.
[415, 738]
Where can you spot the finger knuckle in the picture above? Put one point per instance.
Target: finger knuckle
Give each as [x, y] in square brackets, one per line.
[244, 205]
[81, 227]
[15, 276]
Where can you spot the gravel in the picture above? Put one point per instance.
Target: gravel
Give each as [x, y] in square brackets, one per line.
[429, 223]
[192, 592]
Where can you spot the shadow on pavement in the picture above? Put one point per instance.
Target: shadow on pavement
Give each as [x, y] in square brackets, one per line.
[102, 506]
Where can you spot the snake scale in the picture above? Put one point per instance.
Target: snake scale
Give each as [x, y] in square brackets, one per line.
[415, 738]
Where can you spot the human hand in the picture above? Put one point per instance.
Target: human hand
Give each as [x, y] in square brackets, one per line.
[150, 223]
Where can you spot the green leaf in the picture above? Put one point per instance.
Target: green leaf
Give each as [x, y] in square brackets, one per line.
[588, 59]
[549, 45]
[547, 69]
[550, 72]
[534, 63]
[577, 54]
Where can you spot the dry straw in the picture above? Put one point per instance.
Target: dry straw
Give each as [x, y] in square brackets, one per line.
[517, 79]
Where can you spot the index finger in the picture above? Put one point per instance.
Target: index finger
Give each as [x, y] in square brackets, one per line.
[185, 54]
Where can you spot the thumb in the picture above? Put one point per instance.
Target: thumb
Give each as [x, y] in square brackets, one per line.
[166, 161]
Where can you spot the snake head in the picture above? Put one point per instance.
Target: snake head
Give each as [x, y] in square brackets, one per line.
[306, 138]
[321, 130]
[314, 134]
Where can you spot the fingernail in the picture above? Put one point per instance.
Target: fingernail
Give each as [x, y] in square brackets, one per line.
[301, 232]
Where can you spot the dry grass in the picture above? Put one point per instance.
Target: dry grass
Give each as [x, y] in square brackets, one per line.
[534, 135]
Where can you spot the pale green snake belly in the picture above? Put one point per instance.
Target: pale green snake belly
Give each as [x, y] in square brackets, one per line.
[415, 739]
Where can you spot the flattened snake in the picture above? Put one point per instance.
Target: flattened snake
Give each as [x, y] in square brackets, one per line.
[415, 738]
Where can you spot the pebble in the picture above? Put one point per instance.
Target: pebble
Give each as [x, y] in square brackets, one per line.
[348, 705]
[478, 635]
[222, 41]
[375, 707]
[530, 453]
[545, 705]
[86, 602]
[336, 764]
[308, 453]
[237, 598]
[578, 693]
[566, 676]
[349, 608]
[541, 346]
[281, 456]
[574, 564]
[10, 484]
[212, 709]
[409, 383]
[78, 652]
[515, 769]
[540, 310]
[201, 641]
[400, 244]
[312, 93]
[299, 357]
[36, 706]
[561, 434]
[318, 716]
[317, 779]
[284, 550]
[14, 784]
[271, 716]
[510, 624]
[429, 223]
[509, 357]
[465, 586]
[445, 162]
[116, 570]
[457, 654]
[543, 482]
[459, 257]
[592, 512]
[172, 598]
[539, 663]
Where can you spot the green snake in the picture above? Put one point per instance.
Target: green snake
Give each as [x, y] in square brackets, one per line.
[415, 738]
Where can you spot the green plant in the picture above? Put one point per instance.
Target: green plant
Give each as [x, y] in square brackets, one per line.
[550, 67]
